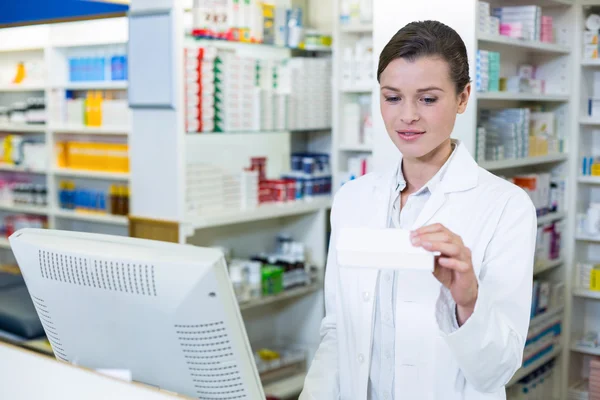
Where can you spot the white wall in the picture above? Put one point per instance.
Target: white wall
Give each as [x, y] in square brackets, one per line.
[389, 17]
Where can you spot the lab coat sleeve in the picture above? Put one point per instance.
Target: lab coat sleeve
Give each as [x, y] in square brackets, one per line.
[489, 346]
[322, 380]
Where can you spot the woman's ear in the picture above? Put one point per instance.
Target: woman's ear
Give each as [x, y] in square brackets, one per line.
[463, 99]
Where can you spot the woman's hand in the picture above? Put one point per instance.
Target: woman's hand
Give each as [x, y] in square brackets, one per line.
[454, 268]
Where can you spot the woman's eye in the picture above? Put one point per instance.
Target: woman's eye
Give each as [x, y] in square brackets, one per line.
[429, 100]
[392, 99]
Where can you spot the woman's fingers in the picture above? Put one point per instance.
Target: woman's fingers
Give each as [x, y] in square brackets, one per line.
[447, 249]
[428, 229]
[454, 264]
[442, 236]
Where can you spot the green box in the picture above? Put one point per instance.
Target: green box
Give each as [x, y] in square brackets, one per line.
[272, 280]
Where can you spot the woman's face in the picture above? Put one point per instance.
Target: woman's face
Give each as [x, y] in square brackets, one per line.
[419, 104]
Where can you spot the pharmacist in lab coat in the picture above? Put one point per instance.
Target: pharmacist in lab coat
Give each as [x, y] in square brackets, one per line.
[458, 333]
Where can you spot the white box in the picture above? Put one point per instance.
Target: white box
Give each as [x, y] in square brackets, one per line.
[381, 249]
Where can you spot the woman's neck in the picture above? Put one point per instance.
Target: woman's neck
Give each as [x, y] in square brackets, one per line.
[418, 171]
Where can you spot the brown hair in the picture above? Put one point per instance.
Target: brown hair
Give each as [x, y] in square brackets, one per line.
[429, 38]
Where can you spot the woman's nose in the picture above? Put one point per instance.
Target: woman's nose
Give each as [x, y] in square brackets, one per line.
[409, 114]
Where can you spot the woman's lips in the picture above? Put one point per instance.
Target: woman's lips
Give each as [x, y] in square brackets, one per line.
[410, 135]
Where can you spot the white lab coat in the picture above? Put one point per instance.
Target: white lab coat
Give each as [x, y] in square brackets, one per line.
[497, 221]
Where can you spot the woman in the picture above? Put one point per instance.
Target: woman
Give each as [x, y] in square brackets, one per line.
[458, 333]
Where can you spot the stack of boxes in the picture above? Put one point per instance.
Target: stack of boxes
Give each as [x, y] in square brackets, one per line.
[516, 133]
[547, 192]
[521, 22]
[507, 133]
[309, 92]
[538, 385]
[547, 31]
[229, 93]
[237, 96]
[488, 24]
[590, 37]
[199, 81]
[487, 71]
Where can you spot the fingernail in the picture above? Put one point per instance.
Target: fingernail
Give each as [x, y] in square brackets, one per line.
[415, 241]
[426, 244]
[413, 234]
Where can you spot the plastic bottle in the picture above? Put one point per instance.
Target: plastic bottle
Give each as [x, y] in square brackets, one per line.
[125, 200]
[114, 200]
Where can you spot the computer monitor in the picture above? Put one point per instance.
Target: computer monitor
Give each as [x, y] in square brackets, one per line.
[165, 312]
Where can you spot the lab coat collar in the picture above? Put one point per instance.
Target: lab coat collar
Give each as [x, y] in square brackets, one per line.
[461, 175]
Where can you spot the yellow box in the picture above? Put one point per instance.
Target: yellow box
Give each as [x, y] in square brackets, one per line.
[595, 278]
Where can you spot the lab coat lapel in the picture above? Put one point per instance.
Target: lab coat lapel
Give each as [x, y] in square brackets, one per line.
[435, 202]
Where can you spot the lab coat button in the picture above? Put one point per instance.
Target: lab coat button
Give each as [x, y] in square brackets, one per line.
[366, 296]
[361, 358]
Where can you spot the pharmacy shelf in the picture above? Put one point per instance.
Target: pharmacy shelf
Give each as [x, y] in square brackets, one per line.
[286, 388]
[94, 85]
[551, 217]
[288, 294]
[4, 243]
[263, 212]
[523, 372]
[22, 208]
[523, 162]
[357, 89]
[540, 319]
[91, 130]
[116, 176]
[22, 128]
[538, 47]
[589, 121]
[17, 168]
[511, 96]
[592, 351]
[586, 293]
[592, 180]
[23, 87]
[101, 218]
[232, 45]
[586, 238]
[357, 28]
[547, 266]
[591, 63]
[366, 148]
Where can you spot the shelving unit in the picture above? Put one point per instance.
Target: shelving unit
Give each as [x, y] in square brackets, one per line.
[162, 188]
[347, 92]
[53, 44]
